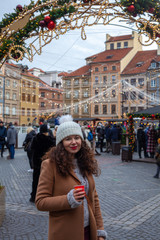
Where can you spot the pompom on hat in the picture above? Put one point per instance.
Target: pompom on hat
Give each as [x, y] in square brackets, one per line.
[67, 128]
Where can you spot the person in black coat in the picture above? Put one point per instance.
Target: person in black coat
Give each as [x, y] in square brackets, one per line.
[27, 145]
[141, 141]
[3, 135]
[41, 144]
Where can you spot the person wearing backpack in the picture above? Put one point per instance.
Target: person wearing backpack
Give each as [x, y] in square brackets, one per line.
[90, 137]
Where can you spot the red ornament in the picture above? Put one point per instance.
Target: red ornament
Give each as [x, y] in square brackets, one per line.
[47, 19]
[151, 10]
[51, 25]
[153, 116]
[143, 118]
[42, 23]
[157, 35]
[131, 8]
[19, 7]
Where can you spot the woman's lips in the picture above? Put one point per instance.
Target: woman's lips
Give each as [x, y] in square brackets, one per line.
[74, 148]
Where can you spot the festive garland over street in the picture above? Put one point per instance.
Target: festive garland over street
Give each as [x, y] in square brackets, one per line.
[48, 19]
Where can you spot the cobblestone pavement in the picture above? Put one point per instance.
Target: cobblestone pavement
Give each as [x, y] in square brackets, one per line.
[129, 197]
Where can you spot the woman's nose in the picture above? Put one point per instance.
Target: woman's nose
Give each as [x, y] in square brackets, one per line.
[73, 140]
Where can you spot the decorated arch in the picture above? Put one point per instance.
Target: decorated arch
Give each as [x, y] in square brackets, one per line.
[44, 20]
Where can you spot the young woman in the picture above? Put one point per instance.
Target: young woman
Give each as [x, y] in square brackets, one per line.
[73, 213]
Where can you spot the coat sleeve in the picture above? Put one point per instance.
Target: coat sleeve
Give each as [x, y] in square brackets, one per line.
[45, 201]
[97, 214]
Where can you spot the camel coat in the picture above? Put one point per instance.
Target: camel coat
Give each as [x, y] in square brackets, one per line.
[66, 223]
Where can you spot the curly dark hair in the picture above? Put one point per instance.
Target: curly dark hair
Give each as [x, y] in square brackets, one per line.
[64, 162]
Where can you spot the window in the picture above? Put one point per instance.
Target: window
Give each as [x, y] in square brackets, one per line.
[76, 94]
[14, 84]
[0, 109]
[141, 81]
[140, 108]
[118, 45]
[57, 105]
[96, 109]
[125, 96]
[113, 93]
[153, 65]
[112, 46]
[133, 82]
[23, 111]
[153, 83]
[29, 97]
[104, 79]
[7, 95]
[68, 82]
[34, 98]
[76, 109]
[85, 108]
[133, 95]
[76, 82]
[42, 94]
[113, 109]
[13, 110]
[153, 96]
[104, 109]
[105, 69]
[23, 83]
[34, 84]
[113, 78]
[53, 95]
[125, 44]
[53, 106]
[42, 104]
[96, 93]
[85, 94]
[125, 109]
[33, 112]
[85, 82]
[14, 96]
[23, 97]
[0, 81]
[28, 112]
[96, 79]
[133, 109]
[58, 96]
[29, 84]
[7, 110]
[113, 68]
[8, 83]
[96, 69]
[0, 94]
[68, 95]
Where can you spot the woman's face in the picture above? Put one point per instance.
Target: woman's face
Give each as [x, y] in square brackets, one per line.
[72, 144]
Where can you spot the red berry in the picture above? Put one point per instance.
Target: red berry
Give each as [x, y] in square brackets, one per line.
[19, 7]
[42, 23]
[131, 8]
[47, 19]
[51, 25]
[151, 10]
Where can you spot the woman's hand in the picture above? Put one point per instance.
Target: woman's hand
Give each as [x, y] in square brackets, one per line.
[78, 195]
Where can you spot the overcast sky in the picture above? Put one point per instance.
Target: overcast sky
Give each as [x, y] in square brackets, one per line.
[69, 51]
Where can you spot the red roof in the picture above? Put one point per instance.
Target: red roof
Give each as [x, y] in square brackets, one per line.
[141, 62]
[63, 74]
[119, 38]
[85, 70]
[32, 69]
[110, 55]
[11, 64]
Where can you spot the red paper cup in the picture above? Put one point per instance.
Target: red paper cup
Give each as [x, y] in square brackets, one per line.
[79, 187]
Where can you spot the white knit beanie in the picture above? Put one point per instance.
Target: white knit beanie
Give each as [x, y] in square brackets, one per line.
[66, 128]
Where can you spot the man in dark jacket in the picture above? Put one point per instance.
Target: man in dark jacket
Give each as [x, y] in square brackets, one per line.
[141, 141]
[107, 133]
[3, 135]
[41, 143]
[11, 140]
